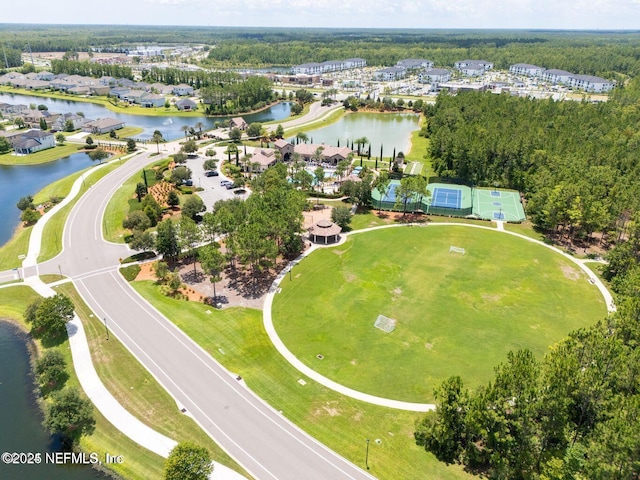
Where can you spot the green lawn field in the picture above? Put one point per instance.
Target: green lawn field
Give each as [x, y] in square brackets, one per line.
[456, 315]
[237, 339]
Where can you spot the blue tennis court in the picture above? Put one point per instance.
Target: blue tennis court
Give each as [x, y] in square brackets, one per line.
[390, 195]
[446, 197]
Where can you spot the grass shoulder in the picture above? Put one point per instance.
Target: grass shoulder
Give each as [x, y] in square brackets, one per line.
[339, 422]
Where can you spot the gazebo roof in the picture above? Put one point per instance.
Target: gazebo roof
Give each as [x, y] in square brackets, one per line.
[325, 228]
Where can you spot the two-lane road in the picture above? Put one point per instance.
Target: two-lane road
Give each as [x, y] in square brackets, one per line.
[260, 439]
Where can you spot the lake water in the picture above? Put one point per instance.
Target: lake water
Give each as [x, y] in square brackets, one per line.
[20, 419]
[17, 181]
[169, 126]
[387, 130]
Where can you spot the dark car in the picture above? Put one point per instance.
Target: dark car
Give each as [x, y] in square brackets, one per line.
[211, 173]
[188, 183]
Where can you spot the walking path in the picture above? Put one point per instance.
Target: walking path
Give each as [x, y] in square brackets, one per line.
[385, 402]
[90, 382]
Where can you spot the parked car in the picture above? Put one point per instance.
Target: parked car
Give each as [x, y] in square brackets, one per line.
[211, 173]
[224, 183]
[188, 183]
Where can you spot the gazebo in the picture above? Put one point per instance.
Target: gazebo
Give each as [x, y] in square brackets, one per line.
[324, 232]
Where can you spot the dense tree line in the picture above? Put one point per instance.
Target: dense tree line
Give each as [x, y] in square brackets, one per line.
[596, 53]
[221, 92]
[575, 161]
[90, 69]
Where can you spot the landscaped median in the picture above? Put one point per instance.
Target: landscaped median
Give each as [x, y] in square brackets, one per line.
[236, 338]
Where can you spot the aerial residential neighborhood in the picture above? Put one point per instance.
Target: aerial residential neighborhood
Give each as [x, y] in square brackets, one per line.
[321, 253]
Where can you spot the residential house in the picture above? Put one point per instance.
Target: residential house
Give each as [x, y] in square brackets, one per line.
[119, 92]
[37, 85]
[101, 90]
[526, 69]
[124, 82]
[160, 88]
[46, 76]
[414, 63]
[434, 75]
[557, 76]
[80, 90]
[60, 123]
[31, 141]
[238, 122]
[186, 105]
[107, 81]
[102, 125]
[13, 110]
[133, 96]
[32, 118]
[390, 73]
[182, 90]
[152, 100]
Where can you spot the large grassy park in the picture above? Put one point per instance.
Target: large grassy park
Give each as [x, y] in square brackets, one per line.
[456, 314]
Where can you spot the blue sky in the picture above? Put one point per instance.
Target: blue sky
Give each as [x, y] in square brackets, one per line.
[559, 14]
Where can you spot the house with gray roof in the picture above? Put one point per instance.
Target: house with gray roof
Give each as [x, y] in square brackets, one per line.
[182, 90]
[152, 100]
[31, 141]
[186, 105]
[102, 125]
[60, 123]
[37, 85]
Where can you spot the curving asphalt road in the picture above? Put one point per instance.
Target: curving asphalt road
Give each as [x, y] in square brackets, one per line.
[266, 444]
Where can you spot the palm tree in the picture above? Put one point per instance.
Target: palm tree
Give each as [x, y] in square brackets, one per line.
[361, 142]
[199, 126]
[185, 129]
[302, 137]
[157, 138]
[317, 156]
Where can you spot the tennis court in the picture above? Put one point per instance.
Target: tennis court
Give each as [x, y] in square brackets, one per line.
[446, 197]
[492, 204]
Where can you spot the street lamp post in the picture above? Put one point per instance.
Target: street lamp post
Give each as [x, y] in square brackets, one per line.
[366, 458]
